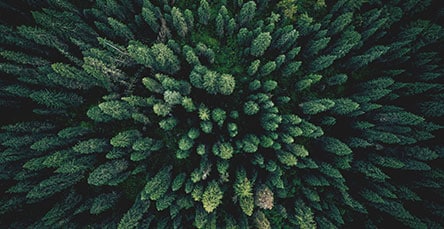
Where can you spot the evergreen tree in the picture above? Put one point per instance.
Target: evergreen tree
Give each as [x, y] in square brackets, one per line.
[211, 197]
[204, 12]
[179, 22]
[158, 185]
[247, 12]
[260, 44]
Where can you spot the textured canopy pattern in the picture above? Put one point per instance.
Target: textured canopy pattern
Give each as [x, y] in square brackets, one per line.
[221, 114]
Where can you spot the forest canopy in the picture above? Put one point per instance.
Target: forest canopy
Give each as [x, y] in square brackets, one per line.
[221, 114]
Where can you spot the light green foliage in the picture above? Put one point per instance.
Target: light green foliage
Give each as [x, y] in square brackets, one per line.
[243, 189]
[188, 104]
[335, 146]
[105, 173]
[250, 143]
[164, 202]
[344, 106]
[251, 108]
[206, 126]
[94, 145]
[260, 44]
[316, 106]
[289, 8]
[105, 73]
[117, 109]
[287, 158]
[254, 66]
[125, 139]
[185, 143]
[158, 185]
[303, 217]
[204, 113]
[212, 197]
[159, 57]
[147, 144]
[168, 123]
[72, 76]
[179, 22]
[261, 221]
[152, 85]
[224, 150]
[307, 81]
[132, 217]
[96, 114]
[227, 84]
[219, 116]
[211, 81]
[161, 109]
[232, 129]
[269, 85]
[172, 97]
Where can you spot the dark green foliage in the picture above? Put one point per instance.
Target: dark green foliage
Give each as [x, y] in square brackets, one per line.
[54, 99]
[156, 187]
[221, 114]
[108, 173]
[53, 184]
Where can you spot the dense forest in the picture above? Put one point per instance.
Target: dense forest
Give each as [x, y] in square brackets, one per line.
[221, 114]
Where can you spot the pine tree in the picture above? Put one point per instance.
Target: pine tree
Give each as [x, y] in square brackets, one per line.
[322, 62]
[340, 23]
[260, 44]
[179, 22]
[247, 12]
[158, 185]
[316, 106]
[105, 173]
[211, 197]
[204, 12]
[244, 192]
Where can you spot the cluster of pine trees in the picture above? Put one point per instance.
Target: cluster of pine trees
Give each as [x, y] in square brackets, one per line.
[221, 114]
